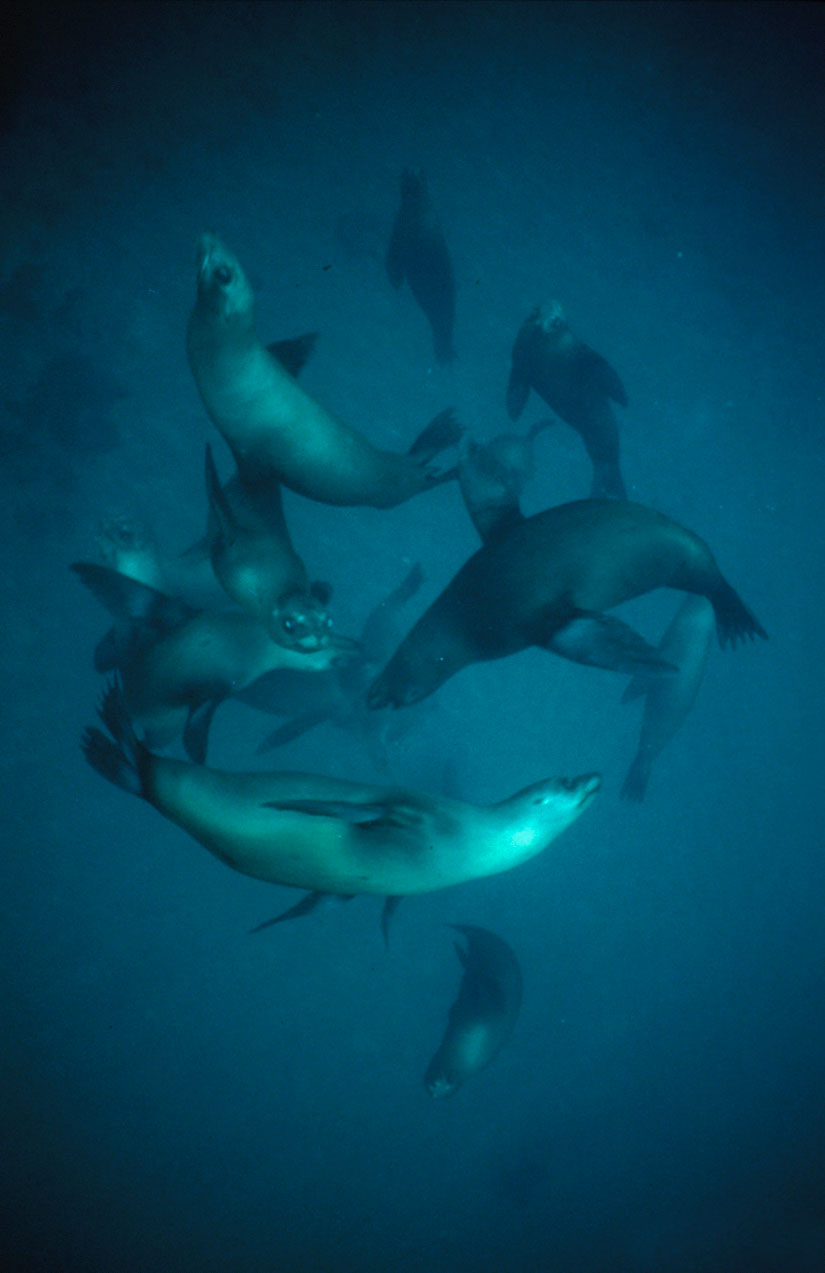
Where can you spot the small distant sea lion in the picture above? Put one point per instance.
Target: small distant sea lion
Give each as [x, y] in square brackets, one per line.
[332, 836]
[668, 699]
[575, 382]
[547, 582]
[418, 253]
[179, 664]
[273, 427]
[482, 1016]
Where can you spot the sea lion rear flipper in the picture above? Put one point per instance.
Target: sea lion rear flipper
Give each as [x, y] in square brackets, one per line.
[518, 391]
[292, 729]
[308, 903]
[601, 640]
[734, 621]
[196, 730]
[442, 431]
[293, 354]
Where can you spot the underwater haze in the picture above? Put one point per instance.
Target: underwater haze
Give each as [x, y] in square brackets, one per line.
[180, 1094]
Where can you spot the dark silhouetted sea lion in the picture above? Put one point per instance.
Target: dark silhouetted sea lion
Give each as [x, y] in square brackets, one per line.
[547, 582]
[332, 836]
[575, 382]
[418, 253]
[668, 699]
[273, 427]
[482, 1016]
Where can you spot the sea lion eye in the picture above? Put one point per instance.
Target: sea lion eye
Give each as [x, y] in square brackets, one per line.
[223, 275]
[289, 624]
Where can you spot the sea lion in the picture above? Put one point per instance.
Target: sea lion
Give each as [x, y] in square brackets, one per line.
[178, 664]
[546, 582]
[492, 476]
[418, 252]
[332, 836]
[575, 382]
[668, 699]
[256, 563]
[338, 695]
[482, 1016]
[273, 427]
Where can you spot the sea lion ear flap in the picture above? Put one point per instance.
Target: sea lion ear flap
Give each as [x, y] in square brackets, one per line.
[321, 591]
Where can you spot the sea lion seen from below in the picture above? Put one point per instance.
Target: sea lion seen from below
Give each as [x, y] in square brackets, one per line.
[331, 836]
[547, 582]
[483, 1015]
[668, 699]
[575, 382]
[418, 253]
[273, 427]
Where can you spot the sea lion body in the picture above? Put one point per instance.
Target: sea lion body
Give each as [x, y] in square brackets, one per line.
[668, 699]
[575, 382]
[418, 253]
[332, 836]
[482, 1016]
[273, 427]
[546, 582]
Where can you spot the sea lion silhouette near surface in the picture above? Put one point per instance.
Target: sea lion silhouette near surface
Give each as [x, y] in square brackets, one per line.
[273, 427]
[418, 253]
[332, 836]
[547, 581]
[575, 382]
[482, 1016]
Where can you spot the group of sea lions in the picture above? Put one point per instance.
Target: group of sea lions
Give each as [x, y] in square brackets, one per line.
[239, 608]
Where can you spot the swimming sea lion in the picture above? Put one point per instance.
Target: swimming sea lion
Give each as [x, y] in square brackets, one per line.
[256, 563]
[482, 1016]
[418, 252]
[668, 699]
[332, 836]
[492, 476]
[575, 382]
[178, 664]
[547, 582]
[273, 427]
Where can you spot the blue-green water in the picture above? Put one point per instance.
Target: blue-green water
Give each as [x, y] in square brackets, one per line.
[180, 1095]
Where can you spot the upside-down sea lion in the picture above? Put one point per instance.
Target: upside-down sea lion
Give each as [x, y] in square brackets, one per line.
[273, 427]
[178, 664]
[482, 1016]
[547, 582]
[575, 382]
[256, 563]
[333, 836]
[418, 253]
[668, 699]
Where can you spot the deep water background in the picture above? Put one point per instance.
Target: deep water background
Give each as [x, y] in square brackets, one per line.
[179, 1095]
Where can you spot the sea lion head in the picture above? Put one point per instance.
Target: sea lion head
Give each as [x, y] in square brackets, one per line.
[222, 283]
[550, 317]
[539, 813]
[300, 622]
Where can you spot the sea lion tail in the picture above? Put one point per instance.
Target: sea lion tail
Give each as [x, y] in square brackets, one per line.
[734, 621]
[119, 756]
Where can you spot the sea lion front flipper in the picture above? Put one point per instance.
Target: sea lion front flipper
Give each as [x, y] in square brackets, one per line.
[603, 375]
[196, 730]
[293, 354]
[518, 391]
[380, 815]
[601, 640]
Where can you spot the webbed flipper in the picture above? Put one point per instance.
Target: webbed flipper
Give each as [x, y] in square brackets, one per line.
[601, 640]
